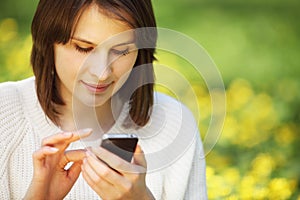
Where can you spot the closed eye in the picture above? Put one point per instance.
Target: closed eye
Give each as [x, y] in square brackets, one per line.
[83, 50]
[120, 52]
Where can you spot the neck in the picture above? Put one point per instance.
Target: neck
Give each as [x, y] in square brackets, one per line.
[100, 118]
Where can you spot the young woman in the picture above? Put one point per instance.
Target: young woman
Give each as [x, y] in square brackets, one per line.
[86, 53]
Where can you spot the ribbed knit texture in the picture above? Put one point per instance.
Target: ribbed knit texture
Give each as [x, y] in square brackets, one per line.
[173, 149]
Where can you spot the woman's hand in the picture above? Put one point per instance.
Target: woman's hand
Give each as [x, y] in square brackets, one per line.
[50, 179]
[122, 180]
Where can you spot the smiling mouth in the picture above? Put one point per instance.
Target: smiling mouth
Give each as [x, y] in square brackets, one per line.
[97, 88]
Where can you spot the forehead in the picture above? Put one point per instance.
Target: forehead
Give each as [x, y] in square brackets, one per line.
[96, 26]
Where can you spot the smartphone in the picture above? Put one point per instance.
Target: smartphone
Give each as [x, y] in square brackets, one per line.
[123, 145]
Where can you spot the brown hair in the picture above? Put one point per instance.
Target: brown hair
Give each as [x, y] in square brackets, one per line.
[54, 22]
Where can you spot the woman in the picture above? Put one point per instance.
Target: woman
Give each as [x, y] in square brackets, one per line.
[85, 55]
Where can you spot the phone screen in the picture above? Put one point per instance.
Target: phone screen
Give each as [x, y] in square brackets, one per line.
[122, 147]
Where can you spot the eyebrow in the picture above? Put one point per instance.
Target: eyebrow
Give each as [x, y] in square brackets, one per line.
[91, 43]
[125, 43]
[84, 41]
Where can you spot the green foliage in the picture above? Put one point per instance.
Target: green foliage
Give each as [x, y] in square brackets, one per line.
[255, 44]
[14, 52]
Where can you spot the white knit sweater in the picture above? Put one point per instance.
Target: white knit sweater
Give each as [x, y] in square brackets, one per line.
[175, 158]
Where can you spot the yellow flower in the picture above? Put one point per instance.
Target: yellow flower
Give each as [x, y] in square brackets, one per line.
[232, 197]
[209, 172]
[8, 30]
[230, 131]
[262, 166]
[286, 134]
[246, 187]
[17, 62]
[280, 188]
[232, 176]
[239, 94]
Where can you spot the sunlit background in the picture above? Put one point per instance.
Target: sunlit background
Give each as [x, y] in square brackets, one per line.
[256, 46]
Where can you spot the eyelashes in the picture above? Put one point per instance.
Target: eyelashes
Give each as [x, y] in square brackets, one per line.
[114, 51]
[120, 52]
[83, 50]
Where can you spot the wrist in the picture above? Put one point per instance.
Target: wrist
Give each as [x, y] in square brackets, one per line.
[35, 191]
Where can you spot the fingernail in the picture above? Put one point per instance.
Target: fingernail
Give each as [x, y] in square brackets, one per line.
[53, 149]
[85, 131]
[88, 153]
[68, 134]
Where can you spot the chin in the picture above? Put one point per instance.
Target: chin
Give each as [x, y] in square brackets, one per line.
[94, 101]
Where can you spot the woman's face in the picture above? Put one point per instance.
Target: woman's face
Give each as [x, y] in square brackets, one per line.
[97, 60]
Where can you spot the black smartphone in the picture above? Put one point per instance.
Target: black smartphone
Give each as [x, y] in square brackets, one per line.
[123, 145]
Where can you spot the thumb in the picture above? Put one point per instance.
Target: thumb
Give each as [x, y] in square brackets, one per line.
[72, 156]
[74, 171]
[139, 157]
[75, 155]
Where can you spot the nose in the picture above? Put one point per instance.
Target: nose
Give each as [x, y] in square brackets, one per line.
[99, 65]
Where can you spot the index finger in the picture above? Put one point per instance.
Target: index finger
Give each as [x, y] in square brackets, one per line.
[82, 133]
[66, 137]
[116, 162]
[139, 157]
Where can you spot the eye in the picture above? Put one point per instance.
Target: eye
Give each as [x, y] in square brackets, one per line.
[83, 50]
[120, 52]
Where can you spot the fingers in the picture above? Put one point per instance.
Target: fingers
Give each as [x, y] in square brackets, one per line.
[57, 138]
[112, 160]
[103, 178]
[101, 187]
[62, 140]
[102, 170]
[57, 144]
[118, 163]
[39, 158]
[72, 156]
[74, 171]
[139, 157]
[83, 133]
[40, 155]
[75, 155]
[70, 136]
[110, 184]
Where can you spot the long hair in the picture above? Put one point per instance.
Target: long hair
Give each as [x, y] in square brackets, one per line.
[54, 22]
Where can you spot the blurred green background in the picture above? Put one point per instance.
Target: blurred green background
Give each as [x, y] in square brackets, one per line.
[256, 46]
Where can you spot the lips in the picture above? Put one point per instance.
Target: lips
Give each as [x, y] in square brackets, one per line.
[97, 88]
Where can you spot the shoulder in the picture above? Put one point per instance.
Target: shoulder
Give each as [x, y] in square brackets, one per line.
[11, 93]
[11, 87]
[7, 90]
[172, 109]
[169, 141]
[11, 104]
[13, 123]
[171, 127]
[9, 98]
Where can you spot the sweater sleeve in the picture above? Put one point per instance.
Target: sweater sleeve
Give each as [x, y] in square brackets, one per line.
[185, 178]
[196, 188]
[189, 172]
[11, 121]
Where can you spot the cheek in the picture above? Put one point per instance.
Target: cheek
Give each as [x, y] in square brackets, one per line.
[67, 63]
[122, 69]
[123, 66]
